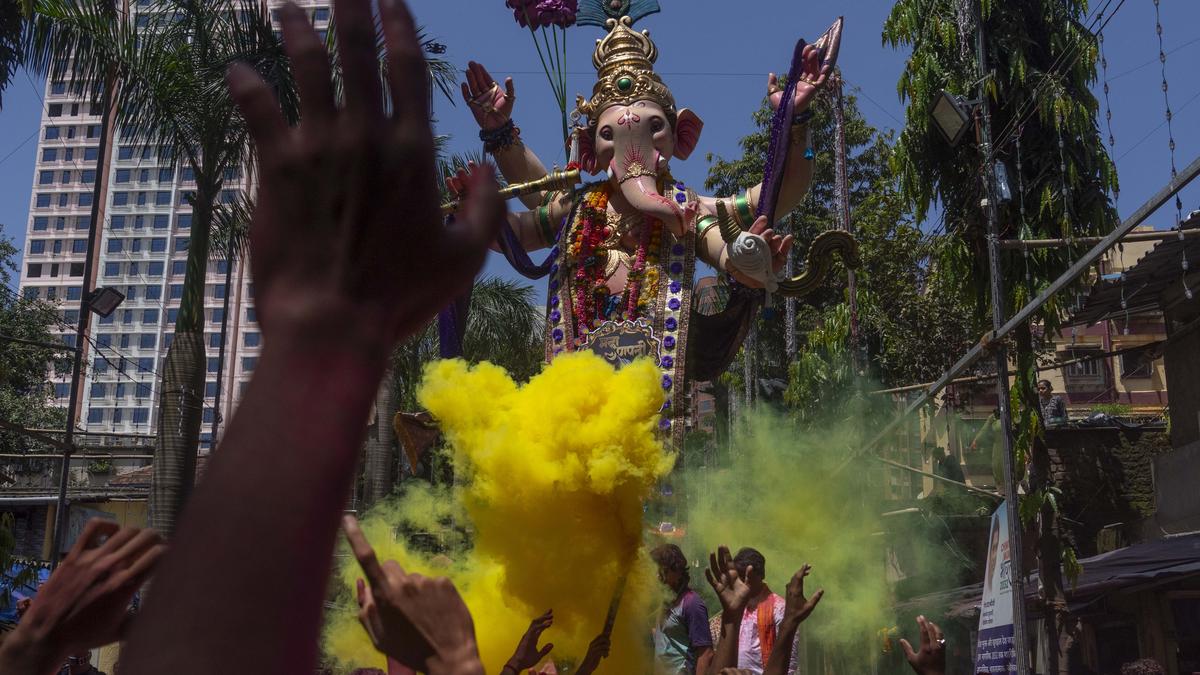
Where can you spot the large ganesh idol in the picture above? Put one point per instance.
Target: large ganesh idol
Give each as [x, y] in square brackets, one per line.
[623, 250]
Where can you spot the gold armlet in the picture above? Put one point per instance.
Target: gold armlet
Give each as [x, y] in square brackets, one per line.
[705, 224]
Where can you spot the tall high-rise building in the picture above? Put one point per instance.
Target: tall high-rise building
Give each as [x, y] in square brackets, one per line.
[145, 226]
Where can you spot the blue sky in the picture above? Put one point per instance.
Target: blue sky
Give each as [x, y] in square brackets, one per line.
[715, 56]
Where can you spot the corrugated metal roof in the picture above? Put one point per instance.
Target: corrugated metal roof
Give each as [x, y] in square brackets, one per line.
[1145, 282]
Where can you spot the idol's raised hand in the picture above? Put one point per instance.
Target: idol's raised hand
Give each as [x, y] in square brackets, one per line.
[491, 105]
[347, 225]
[818, 61]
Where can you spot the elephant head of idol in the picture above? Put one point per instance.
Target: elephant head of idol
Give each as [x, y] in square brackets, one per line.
[633, 128]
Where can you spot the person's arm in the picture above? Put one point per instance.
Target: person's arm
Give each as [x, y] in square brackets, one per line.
[733, 593]
[349, 255]
[704, 659]
[84, 604]
[597, 652]
[930, 657]
[797, 608]
[527, 654]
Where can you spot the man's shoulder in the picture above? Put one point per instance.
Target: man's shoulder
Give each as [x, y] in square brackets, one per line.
[692, 601]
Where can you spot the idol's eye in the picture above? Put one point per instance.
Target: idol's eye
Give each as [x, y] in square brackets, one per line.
[606, 133]
[656, 124]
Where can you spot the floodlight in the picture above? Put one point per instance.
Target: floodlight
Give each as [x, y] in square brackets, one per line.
[951, 116]
[105, 300]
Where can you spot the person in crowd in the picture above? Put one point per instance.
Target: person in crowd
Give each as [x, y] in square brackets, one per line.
[682, 642]
[527, 654]
[1143, 667]
[762, 616]
[84, 604]
[349, 254]
[1054, 411]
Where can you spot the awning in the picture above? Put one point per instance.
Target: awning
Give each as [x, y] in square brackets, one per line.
[1175, 556]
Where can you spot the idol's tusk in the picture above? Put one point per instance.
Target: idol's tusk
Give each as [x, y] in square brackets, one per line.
[725, 222]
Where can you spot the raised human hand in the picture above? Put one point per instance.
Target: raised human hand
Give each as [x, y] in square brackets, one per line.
[527, 654]
[817, 62]
[930, 657]
[420, 622]
[797, 607]
[85, 602]
[722, 575]
[490, 105]
[597, 651]
[347, 241]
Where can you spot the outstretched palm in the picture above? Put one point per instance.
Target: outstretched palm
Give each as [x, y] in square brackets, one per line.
[491, 105]
[818, 61]
[723, 576]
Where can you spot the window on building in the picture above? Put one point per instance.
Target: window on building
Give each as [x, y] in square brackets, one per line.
[37, 246]
[70, 132]
[161, 221]
[112, 269]
[33, 270]
[210, 390]
[141, 199]
[79, 245]
[124, 341]
[141, 415]
[122, 176]
[116, 245]
[53, 273]
[187, 174]
[54, 110]
[30, 293]
[214, 340]
[117, 222]
[60, 222]
[147, 340]
[219, 291]
[162, 198]
[93, 131]
[1136, 364]
[207, 416]
[41, 224]
[154, 268]
[74, 292]
[249, 363]
[252, 339]
[99, 390]
[83, 222]
[172, 315]
[99, 365]
[91, 154]
[138, 222]
[95, 415]
[43, 200]
[228, 196]
[127, 316]
[218, 315]
[76, 269]
[87, 176]
[166, 174]
[107, 320]
[321, 14]
[158, 245]
[62, 390]
[120, 199]
[181, 244]
[145, 364]
[131, 292]
[183, 221]
[57, 247]
[85, 199]
[222, 266]
[58, 88]
[178, 267]
[176, 291]
[125, 152]
[45, 178]
[104, 339]
[150, 315]
[154, 292]
[122, 390]
[168, 339]
[52, 133]
[135, 245]
[212, 364]
[118, 415]
[50, 154]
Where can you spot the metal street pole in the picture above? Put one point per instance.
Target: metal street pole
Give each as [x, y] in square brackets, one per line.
[1011, 497]
[85, 314]
[843, 206]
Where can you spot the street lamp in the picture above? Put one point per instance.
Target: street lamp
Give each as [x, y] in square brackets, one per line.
[105, 300]
[951, 116]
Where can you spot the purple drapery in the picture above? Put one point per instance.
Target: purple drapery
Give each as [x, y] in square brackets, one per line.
[781, 127]
[452, 320]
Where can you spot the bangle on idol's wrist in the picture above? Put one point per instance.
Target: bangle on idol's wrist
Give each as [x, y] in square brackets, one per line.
[743, 211]
[705, 224]
[501, 138]
[542, 216]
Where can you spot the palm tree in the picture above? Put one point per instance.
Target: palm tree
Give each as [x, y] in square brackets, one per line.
[168, 67]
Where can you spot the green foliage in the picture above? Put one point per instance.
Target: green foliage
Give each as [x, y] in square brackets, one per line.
[26, 577]
[1026, 39]
[505, 326]
[25, 395]
[1113, 409]
[1072, 568]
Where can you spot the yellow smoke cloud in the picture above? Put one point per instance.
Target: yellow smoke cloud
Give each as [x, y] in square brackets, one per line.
[551, 477]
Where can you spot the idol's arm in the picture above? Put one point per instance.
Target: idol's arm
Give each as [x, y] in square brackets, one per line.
[536, 229]
[518, 164]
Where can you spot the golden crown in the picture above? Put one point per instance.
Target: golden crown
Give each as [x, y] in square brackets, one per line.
[624, 61]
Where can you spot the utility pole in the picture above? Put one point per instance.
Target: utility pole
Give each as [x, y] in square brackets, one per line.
[843, 201]
[789, 303]
[85, 314]
[1011, 497]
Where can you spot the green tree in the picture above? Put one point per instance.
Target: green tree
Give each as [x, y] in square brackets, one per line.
[1040, 65]
[167, 67]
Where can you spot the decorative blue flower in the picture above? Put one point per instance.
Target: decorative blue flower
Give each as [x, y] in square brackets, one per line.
[676, 287]
[667, 382]
[673, 304]
[677, 249]
[557, 334]
[666, 404]
[666, 362]
[554, 301]
[554, 284]
[680, 197]
[668, 342]
[664, 424]
[676, 268]
[555, 315]
[554, 269]
[671, 324]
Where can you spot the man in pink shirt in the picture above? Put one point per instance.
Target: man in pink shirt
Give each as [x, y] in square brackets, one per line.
[762, 618]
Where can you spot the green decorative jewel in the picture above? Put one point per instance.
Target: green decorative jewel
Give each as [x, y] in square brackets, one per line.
[625, 83]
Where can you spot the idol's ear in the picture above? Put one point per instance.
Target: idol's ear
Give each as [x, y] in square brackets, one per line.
[687, 133]
[587, 151]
